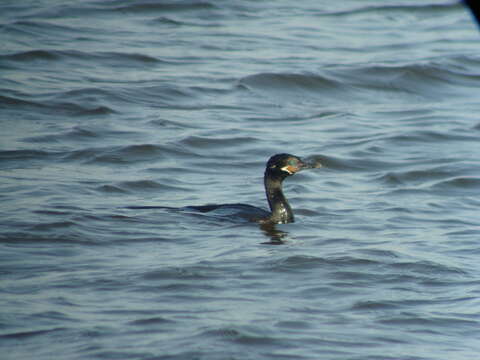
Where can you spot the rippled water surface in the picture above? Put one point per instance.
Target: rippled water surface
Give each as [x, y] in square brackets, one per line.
[105, 105]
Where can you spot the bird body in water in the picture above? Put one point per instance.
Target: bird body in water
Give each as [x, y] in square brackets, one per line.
[278, 168]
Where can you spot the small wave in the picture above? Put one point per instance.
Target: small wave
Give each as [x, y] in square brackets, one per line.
[426, 136]
[25, 158]
[425, 79]
[203, 142]
[141, 150]
[80, 110]
[52, 225]
[303, 262]
[46, 237]
[108, 58]
[78, 132]
[99, 110]
[9, 102]
[142, 184]
[288, 82]
[123, 58]
[432, 322]
[171, 124]
[145, 6]
[380, 253]
[189, 272]
[74, 109]
[374, 305]
[37, 29]
[169, 21]
[413, 176]
[74, 102]
[126, 154]
[86, 93]
[29, 334]
[460, 183]
[111, 189]
[82, 154]
[115, 155]
[135, 57]
[163, 95]
[390, 9]
[96, 8]
[149, 185]
[83, 101]
[242, 335]
[425, 268]
[33, 55]
[151, 321]
[58, 107]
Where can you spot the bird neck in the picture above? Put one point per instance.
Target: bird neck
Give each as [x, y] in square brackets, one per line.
[281, 212]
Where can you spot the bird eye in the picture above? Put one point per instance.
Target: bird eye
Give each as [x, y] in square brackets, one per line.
[292, 162]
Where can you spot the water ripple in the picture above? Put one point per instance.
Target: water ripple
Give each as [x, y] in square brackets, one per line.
[122, 121]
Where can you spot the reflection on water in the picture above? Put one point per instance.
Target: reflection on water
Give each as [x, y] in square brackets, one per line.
[277, 237]
[121, 122]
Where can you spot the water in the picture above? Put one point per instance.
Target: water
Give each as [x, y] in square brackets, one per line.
[109, 104]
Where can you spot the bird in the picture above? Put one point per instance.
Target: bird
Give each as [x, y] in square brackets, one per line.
[277, 169]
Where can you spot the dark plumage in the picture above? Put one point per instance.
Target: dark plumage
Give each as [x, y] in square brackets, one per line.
[278, 168]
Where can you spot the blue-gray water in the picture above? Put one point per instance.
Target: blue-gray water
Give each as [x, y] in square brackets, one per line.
[109, 104]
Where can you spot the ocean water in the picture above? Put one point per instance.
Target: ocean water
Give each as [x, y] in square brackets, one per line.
[105, 105]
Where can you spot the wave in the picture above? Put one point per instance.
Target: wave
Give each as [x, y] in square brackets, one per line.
[24, 335]
[77, 134]
[15, 102]
[465, 184]
[414, 176]
[19, 157]
[243, 335]
[424, 7]
[289, 82]
[55, 225]
[138, 153]
[204, 142]
[32, 55]
[306, 262]
[151, 321]
[150, 185]
[180, 21]
[427, 80]
[44, 234]
[58, 55]
[111, 189]
[36, 29]
[57, 107]
[149, 6]
[416, 82]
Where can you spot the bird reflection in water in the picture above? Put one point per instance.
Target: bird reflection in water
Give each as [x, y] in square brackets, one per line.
[277, 237]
